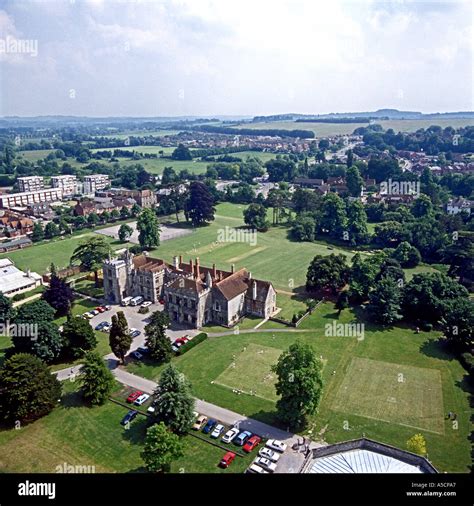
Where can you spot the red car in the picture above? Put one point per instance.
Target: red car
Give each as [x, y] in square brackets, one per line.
[101, 309]
[251, 443]
[227, 460]
[134, 396]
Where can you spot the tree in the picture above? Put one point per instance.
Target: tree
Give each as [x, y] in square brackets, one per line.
[389, 233]
[93, 219]
[51, 230]
[458, 322]
[125, 231]
[303, 228]
[124, 213]
[119, 337]
[148, 229]
[357, 223]
[59, 295]
[38, 232]
[157, 341]
[135, 210]
[426, 294]
[342, 301]
[7, 312]
[97, 382]
[28, 390]
[333, 216]
[174, 403]
[299, 384]
[255, 216]
[35, 312]
[78, 335]
[91, 254]
[354, 181]
[350, 158]
[327, 272]
[384, 302]
[417, 444]
[422, 207]
[48, 344]
[200, 204]
[407, 255]
[161, 448]
[181, 153]
[362, 277]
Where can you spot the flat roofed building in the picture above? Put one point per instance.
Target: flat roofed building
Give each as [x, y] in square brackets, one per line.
[67, 183]
[30, 183]
[24, 199]
[13, 280]
[95, 182]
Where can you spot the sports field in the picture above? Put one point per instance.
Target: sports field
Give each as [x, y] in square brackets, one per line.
[395, 393]
[250, 372]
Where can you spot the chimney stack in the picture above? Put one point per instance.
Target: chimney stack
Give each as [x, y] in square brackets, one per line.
[214, 271]
[232, 268]
[250, 275]
[198, 272]
[180, 259]
[191, 266]
[254, 290]
[175, 262]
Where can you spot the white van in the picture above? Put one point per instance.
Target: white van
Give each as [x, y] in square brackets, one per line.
[126, 301]
[136, 300]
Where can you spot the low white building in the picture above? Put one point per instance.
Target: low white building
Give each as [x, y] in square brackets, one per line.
[24, 199]
[13, 280]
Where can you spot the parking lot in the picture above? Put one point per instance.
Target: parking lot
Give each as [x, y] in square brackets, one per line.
[138, 321]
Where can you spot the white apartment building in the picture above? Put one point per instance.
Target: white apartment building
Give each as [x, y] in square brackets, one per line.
[95, 182]
[30, 183]
[23, 199]
[66, 183]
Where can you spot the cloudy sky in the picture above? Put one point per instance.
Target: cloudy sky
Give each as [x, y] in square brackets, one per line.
[233, 57]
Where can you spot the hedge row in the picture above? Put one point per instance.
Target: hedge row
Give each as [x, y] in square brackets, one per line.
[199, 338]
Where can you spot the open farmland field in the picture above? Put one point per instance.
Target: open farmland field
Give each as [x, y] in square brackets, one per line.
[328, 129]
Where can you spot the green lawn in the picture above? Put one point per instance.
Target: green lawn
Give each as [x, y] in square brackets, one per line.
[38, 257]
[435, 383]
[83, 436]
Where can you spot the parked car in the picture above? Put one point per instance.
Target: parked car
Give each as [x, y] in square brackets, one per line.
[129, 417]
[269, 454]
[141, 400]
[267, 464]
[209, 425]
[256, 469]
[126, 301]
[151, 410]
[218, 430]
[241, 439]
[106, 327]
[94, 312]
[199, 423]
[161, 301]
[251, 443]
[134, 396]
[88, 315]
[146, 303]
[230, 435]
[134, 332]
[101, 325]
[175, 346]
[137, 355]
[136, 300]
[227, 460]
[101, 309]
[143, 350]
[107, 307]
[276, 445]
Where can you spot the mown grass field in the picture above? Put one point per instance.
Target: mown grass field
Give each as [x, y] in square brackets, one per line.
[435, 383]
[79, 435]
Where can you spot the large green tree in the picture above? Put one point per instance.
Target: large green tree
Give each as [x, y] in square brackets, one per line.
[327, 272]
[7, 311]
[200, 204]
[91, 254]
[148, 229]
[59, 295]
[119, 337]
[157, 341]
[161, 448]
[97, 382]
[299, 384]
[333, 219]
[174, 403]
[255, 216]
[28, 390]
[384, 302]
[125, 231]
[357, 223]
[354, 181]
[458, 323]
[78, 335]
